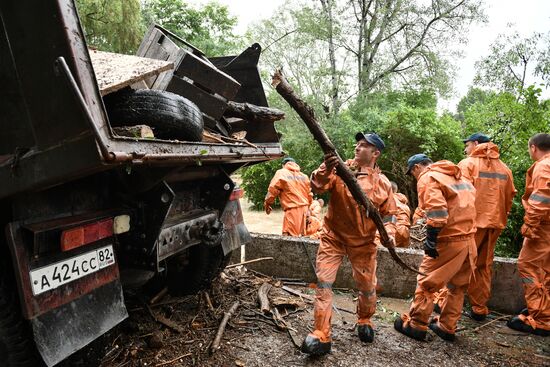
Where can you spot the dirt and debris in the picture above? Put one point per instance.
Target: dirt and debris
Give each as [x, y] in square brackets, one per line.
[181, 331]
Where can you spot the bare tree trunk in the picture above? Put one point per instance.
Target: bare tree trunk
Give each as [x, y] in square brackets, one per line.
[327, 8]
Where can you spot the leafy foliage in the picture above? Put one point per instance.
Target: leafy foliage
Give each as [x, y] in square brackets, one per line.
[113, 25]
[209, 28]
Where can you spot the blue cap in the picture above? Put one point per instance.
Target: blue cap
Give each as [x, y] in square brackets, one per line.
[479, 137]
[288, 159]
[372, 139]
[415, 159]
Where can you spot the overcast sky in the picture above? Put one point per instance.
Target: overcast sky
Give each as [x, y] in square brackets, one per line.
[527, 16]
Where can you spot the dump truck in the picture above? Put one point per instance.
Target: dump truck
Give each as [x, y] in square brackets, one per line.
[88, 209]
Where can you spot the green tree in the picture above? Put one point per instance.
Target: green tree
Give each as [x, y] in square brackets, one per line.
[209, 27]
[113, 25]
[515, 62]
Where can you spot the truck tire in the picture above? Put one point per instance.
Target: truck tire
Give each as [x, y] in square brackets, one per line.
[17, 348]
[194, 272]
[171, 116]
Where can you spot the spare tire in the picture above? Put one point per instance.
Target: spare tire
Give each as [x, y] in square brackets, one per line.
[171, 116]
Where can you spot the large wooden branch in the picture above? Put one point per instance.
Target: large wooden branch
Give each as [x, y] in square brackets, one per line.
[250, 112]
[308, 116]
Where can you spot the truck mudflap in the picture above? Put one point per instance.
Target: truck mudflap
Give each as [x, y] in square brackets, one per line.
[70, 298]
[66, 329]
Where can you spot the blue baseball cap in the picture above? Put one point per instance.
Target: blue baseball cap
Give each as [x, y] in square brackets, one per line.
[415, 159]
[479, 137]
[372, 139]
[288, 159]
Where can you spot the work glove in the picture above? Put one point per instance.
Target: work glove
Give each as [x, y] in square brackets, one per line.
[430, 243]
[331, 161]
[267, 208]
[528, 232]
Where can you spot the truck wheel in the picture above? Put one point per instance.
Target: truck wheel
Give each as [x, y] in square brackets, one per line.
[16, 345]
[195, 272]
[170, 115]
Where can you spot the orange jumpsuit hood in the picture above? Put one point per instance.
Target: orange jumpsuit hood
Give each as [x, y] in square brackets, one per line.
[486, 150]
[292, 166]
[446, 167]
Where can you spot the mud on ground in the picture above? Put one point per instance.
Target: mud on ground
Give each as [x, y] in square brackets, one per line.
[253, 339]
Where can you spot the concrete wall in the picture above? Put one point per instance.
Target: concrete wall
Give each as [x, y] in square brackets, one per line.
[291, 261]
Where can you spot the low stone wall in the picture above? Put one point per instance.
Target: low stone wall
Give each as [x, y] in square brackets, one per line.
[292, 261]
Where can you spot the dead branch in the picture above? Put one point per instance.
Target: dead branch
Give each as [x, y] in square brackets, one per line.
[163, 292]
[163, 320]
[173, 360]
[263, 298]
[248, 262]
[253, 113]
[490, 322]
[216, 343]
[306, 113]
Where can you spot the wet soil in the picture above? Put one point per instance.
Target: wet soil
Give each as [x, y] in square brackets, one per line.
[253, 339]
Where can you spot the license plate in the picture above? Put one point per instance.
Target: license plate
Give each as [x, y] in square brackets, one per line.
[55, 275]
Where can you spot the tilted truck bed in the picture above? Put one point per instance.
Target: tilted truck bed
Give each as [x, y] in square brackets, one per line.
[53, 125]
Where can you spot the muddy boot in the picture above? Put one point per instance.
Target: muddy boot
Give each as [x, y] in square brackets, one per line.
[517, 323]
[476, 316]
[408, 330]
[312, 345]
[440, 332]
[366, 333]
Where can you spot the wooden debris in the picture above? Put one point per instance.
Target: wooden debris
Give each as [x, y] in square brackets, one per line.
[297, 293]
[166, 322]
[253, 113]
[115, 71]
[208, 137]
[163, 292]
[490, 322]
[248, 262]
[216, 343]
[173, 360]
[263, 298]
[136, 131]
[306, 113]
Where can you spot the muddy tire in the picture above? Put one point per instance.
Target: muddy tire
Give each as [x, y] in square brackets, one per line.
[17, 348]
[171, 116]
[191, 273]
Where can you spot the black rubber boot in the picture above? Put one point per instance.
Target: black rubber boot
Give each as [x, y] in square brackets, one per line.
[409, 331]
[524, 311]
[312, 345]
[517, 324]
[366, 333]
[440, 332]
[476, 316]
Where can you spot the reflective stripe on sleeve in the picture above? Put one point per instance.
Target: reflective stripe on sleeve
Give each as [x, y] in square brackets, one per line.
[437, 214]
[540, 198]
[324, 285]
[462, 187]
[389, 219]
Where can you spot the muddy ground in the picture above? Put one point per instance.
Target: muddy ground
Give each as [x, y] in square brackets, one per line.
[253, 339]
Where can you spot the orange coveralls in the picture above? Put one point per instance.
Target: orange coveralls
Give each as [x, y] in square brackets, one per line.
[403, 223]
[314, 220]
[534, 258]
[294, 192]
[449, 203]
[495, 190]
[347, 231]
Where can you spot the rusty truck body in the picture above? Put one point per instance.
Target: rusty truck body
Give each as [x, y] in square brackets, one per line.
[85, 212]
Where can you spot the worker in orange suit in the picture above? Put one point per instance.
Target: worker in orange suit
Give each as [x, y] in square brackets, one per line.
[403, 216]
[534, 257]
[450, 250]
[347, 231]
[314, 220]
[294, 192]
[495, 190]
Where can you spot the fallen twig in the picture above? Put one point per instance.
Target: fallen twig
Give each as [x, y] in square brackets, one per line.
[173, 360]
[248, 262]
[490, 322]
[159, 296]
[216, 343]
[163, 320]
[263, 299]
